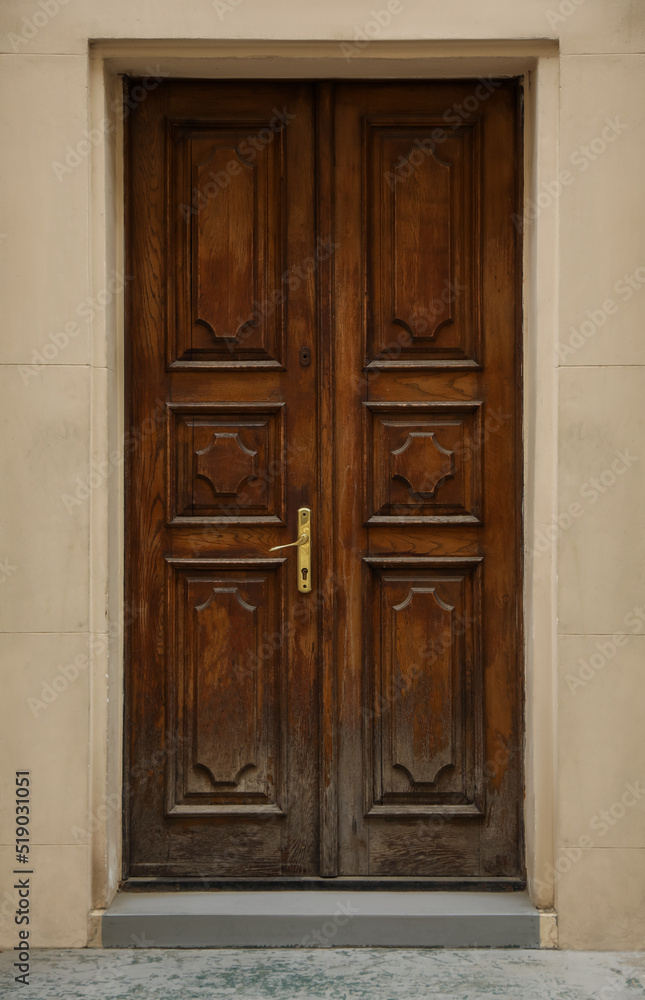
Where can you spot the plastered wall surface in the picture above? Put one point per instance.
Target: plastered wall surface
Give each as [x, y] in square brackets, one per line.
[60, 380]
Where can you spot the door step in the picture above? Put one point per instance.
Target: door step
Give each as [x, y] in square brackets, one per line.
[310, 919]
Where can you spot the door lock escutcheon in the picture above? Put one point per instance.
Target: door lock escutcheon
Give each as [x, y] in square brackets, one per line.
[303, 544]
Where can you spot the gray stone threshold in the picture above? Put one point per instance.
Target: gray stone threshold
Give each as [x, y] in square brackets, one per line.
[306, 919]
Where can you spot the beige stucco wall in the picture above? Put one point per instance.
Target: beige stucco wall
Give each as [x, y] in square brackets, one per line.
[60, 560]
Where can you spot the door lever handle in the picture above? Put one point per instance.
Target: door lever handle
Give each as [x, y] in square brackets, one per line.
[303, 544]
[299, 541]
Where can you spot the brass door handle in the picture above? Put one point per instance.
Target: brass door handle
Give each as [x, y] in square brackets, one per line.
[303, 543]
[299, 541]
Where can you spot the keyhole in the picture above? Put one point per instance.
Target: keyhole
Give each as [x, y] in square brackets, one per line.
[304, 572]
[305, 356]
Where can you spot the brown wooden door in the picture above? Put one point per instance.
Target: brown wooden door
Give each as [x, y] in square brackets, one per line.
[324, 312]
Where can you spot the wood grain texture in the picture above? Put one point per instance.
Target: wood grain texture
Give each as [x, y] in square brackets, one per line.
[373, 727]
[419, 211]
[423, 686]
[424, 462]
[224, 687]
[422, 207]
[226, 463]
[328, 580]
[222, 690]
[226, 239]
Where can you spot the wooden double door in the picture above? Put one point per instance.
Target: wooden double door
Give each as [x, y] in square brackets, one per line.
[323, 313]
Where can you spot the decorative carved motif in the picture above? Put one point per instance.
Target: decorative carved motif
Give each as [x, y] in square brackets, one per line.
[223, 243]
[422, 743]
[422, 460]
[423, 246]
[421, 262]
[224, 681]
[228, 248]
[225, 706]
[226, 464]
[424, 684]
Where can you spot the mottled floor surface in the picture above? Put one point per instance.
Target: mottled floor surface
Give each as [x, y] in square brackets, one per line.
[334, 974]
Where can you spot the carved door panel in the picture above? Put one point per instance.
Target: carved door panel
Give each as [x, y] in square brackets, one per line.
[427, 543]
[221, 771]
[323, 312]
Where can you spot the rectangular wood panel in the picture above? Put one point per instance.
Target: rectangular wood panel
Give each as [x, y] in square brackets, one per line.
[224, 686]
[422, 193]
[423, 685]
[226, 463]
[424, 462]
[226, 242]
